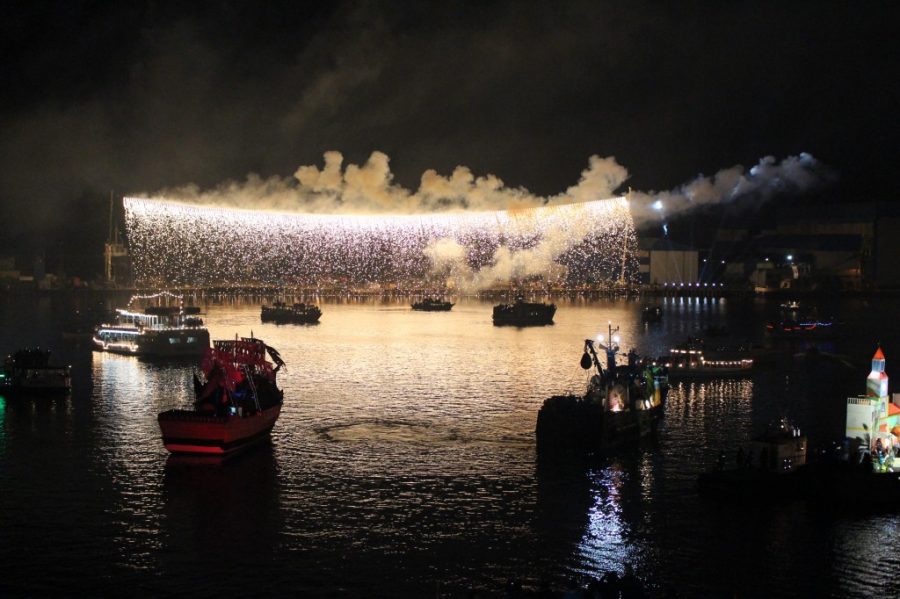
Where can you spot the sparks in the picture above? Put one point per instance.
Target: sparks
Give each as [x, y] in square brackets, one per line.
[177, 244]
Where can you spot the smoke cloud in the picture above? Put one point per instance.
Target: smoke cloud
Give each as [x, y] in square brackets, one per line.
[369, 188]
[794, 174]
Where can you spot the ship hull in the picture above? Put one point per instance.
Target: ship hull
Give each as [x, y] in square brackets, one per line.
[567, 423]
[172, 343]
[188, 432]
[432, 308]
[527, 317]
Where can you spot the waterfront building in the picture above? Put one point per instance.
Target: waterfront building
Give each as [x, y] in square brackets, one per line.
[665, 262]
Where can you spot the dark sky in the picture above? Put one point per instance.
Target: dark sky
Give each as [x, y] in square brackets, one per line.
[139, 96]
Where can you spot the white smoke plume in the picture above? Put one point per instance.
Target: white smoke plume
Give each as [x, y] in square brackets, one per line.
[793, 174]
[369, 188]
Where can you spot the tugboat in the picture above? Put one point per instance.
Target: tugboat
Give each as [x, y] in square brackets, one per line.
[429, 304]
[300, 313]
[524, 314]
[622, 404]
[237, 401]
[158, 331]
[29, 372]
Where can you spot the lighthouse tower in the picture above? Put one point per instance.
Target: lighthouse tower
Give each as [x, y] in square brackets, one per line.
[871, 417]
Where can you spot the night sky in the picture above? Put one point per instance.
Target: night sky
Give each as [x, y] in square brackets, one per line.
[141, 96]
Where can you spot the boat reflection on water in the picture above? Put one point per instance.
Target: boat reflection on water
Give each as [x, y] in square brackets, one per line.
[233, 508]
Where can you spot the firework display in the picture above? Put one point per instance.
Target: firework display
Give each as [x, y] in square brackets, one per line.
[176, 244]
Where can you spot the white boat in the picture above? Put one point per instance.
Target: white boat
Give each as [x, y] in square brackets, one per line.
[157, 331]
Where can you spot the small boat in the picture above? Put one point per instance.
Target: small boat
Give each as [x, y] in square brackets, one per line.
[429, 304]
[157, 331]
[237, 401]
[622, 404]
[771, 466]
[29, 372]
[299, 313]
[524, 314]
[651, 314]
[791, 306]
[801, 328]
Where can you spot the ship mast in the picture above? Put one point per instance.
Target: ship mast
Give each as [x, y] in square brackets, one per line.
[112, 248]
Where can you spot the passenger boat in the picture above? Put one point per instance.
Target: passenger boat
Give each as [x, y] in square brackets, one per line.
[429, 304]
[300, 313]
[524, 314]
[157, 331]
[29, 372]
[622, 404]
[690, 360]
[237, 401]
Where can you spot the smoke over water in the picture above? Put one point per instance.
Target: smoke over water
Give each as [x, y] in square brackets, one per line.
[369, 188]
[352, 225]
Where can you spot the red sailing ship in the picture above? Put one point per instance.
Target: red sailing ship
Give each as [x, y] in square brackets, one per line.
[237, 400]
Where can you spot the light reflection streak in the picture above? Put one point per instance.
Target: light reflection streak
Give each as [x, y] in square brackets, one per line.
[128, 395]
[2, 423]
[605, 545]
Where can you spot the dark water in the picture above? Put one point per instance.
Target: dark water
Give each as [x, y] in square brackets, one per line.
[404, 464]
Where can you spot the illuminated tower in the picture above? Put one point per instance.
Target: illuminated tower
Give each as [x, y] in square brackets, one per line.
[877, 382]
[868, 417]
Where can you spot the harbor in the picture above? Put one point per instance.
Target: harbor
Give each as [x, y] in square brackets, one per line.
[449, 300]
[417, 431]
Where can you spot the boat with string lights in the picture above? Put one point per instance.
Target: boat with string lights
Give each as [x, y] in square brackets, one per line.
[801, 327]
[524, 314]
[29, 372]
[623, 403]
[159, 331]
[430, 304]
[237, 401]
[692, 360]
[300, 313]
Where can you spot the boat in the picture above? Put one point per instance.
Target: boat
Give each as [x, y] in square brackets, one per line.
[801, 328]
[430, 304]
[691, 360]
[771, 466]
[622, 404]
[651, 314]
[524, 314]
[790, 306]
[157, 331]
[237, 401]
[29, 372]
[299, 313]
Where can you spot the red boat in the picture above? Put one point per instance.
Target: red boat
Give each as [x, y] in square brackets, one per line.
[238, 401]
